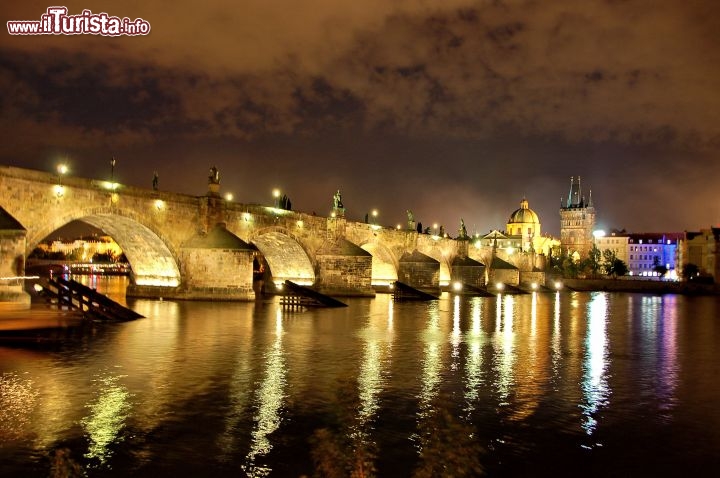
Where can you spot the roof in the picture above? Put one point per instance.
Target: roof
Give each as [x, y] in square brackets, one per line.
[343, 247]
[417, 256]
[9, 223]
[218, 238]
[466, 262]
[498, 263]
[524, 214]
[656, 237]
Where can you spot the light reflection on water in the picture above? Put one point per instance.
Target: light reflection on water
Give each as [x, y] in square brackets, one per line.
[270, 397]
[107, 417]
[539, 381]
[595, 386]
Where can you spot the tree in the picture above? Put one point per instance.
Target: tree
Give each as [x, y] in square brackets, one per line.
[690, 270]
[609, 257]
[591, 264]
[660, 269]
[618, 268]
[103, 258]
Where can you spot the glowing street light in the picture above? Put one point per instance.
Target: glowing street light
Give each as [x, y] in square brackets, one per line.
[62, 170]
[276, 195]
[229, 197]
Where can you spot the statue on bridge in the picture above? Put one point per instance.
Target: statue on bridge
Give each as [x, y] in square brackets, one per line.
[410, 220]
[156, 180]
[337, 200]
[463, 230]
[214, 177]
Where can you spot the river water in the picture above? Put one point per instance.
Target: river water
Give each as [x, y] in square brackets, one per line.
[559, 384]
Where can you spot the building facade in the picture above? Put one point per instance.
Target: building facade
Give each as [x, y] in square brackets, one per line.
[701, 248]
[646, 251]
[643, 252]
[577, 221]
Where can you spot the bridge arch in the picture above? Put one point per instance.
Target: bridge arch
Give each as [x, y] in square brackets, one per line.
[285, 255]
[384, 264]
[152, 261]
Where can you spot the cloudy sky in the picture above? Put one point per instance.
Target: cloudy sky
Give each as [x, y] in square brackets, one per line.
[450, 108]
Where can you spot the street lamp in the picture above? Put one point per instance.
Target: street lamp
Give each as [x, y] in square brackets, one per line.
[62, 170]
[374, 215]
[276, 195]
[229, 197]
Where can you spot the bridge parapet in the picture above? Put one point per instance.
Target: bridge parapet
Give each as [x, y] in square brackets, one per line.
[154, 227]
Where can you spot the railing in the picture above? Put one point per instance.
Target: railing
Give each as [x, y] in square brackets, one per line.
[74, 295]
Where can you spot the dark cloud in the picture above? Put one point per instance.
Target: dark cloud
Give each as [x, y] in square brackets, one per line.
[451, 108]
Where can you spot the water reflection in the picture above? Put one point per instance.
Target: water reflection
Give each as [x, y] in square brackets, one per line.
[432, 337]
[107, 417]
[556, 351]
[473, 363]
[504, 348]
[595, 385]
[270, 397]
[668, 367]
[208, 388]
[18, 397]
[377, 339]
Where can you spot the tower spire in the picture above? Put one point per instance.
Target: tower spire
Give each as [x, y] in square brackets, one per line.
[570, 195]
[590, 204]
[580, 198]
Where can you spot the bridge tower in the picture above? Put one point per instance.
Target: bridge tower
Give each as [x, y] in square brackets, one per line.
[577, 221]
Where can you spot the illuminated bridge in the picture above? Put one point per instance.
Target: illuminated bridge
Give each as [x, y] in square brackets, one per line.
[206, 247]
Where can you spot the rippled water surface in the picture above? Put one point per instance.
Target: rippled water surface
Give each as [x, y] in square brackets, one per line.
[568, 384]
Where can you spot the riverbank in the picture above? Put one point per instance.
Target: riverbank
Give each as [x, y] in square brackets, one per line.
[640, 286]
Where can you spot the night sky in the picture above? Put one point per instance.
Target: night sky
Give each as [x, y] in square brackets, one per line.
[449, 108]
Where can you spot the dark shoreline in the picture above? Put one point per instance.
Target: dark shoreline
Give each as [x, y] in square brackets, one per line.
[640, 286]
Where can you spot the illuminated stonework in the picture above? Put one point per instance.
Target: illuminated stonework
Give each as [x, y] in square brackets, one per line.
[577, 222]
[286, 258]
[152, 262]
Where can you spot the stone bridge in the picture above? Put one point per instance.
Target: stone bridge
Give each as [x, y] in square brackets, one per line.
[206, 247]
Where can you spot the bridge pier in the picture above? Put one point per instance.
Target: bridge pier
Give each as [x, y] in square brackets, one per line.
[344, 269]
[12, 263]
[420, 272]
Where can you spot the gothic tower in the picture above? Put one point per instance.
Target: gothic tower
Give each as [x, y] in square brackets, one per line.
[577, 221]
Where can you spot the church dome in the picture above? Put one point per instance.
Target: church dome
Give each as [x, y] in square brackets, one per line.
[524, 215]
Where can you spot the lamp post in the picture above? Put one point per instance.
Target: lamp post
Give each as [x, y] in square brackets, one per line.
[62, 170]
[276, 195]
[374, 215]
[112, 169]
